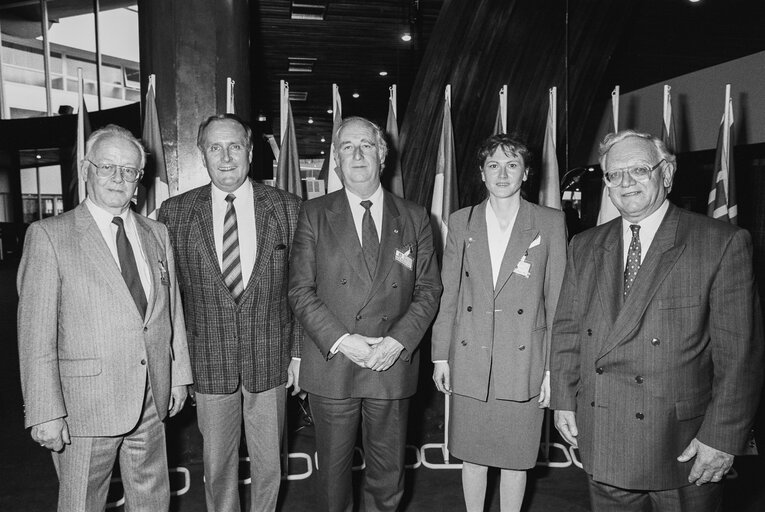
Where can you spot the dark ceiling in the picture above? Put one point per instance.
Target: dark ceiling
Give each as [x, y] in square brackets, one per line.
[358, 39]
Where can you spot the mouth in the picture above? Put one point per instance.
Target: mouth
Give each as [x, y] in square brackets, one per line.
[226, 169]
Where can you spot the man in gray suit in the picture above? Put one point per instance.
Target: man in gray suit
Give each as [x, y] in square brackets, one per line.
[657, 356]
[102, 342]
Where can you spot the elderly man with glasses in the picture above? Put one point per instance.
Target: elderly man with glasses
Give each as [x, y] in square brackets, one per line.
[102, 341]
[657, 357]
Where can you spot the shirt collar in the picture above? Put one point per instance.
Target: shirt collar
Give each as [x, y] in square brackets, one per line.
[650, 223]
[103, 218]
[355, 200]
[244, 192]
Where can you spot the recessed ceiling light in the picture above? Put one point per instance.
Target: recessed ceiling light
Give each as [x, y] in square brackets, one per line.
[383, 73]
[355, 95]
[322, 152]
[406, 37]
[323, 139]
[329, 111]
[261, 118]
[310, 120]
[39, 157]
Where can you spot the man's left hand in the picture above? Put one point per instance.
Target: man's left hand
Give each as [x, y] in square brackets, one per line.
[177, 398]
[384, 354]
[293, 376]
[711, 465]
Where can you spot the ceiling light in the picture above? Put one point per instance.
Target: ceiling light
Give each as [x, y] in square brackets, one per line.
[308, 9]
[298, 95]
[355, 95]
[300, 64]
[310, 120]
[323, 139]
[383, 73]
[261, 118]
[322, 152]
[406, 37]
[329, 111]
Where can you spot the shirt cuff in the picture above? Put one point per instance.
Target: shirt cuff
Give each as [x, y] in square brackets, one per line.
[296, 359]
[336, 346]
[440, 361]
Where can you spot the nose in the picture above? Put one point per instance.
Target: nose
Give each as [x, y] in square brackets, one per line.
[504, 171]
[627, 179]
[226, 155]
[357, 153]
[117, 176]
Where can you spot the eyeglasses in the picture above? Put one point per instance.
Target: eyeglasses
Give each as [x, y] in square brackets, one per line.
[129, 174]
[640, 173]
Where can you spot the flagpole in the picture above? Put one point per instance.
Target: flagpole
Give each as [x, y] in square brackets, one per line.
[46, 57]
[393, 100]
[615, 107]
[230, 105]
[4, 109]
[81, 190]
[96, 19]
[503, 107]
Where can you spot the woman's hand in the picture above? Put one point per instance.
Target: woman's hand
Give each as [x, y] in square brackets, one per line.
[544, 392]
[441, 377]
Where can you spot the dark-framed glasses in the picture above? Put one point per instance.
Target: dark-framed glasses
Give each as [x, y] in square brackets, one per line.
[129, 174]
[641, 173]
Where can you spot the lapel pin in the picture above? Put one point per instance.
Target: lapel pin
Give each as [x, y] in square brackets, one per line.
[395, 231]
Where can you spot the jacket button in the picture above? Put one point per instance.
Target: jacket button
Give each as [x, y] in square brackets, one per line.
[145, 329]
[655, 342]
[522, 347]
[599, 370]
[385, 317]
[470, 308]
[464, 343]
[395, 285]
[639, 416]
[639, 379]
[358, 317]
[589, 332]
[592, 404]
[467, 274]
[143, 362]
[520, 311]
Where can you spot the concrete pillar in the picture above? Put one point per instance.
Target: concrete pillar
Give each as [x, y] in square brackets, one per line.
[192, 46]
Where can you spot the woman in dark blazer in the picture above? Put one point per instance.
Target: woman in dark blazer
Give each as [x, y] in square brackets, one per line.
[502, 272]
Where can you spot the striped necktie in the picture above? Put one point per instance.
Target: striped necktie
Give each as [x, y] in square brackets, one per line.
[232, 266]
[129, 268]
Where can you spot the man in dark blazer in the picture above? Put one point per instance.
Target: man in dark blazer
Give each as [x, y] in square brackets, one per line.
[364, 285]
[102, 343]
[232, 241]
[657, 356]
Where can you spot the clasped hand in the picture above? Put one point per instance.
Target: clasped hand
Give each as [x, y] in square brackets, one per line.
[377, 354]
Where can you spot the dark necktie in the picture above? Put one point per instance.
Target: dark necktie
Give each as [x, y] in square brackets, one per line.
[232, 266]
[129, 268]
[633, 259]
[370, 244]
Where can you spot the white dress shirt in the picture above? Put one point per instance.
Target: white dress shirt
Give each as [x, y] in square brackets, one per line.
[498, 239]
[648, 228]
[244, 205]
[109, 231]
[358, 211]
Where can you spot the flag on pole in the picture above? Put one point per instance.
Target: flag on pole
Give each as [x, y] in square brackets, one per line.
[607, 210]
[395, 177]
[329, 171]
[500, 123]
[77, 189]
[668, 124]
[445, 199]
[722, 203]
[288, 165]
[230, 104]
[549, 188]
[155, 172]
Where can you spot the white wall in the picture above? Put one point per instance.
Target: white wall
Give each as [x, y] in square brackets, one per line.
[698, 100]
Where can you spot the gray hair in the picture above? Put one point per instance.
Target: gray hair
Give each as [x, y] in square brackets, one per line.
[112, 130]
[222, 117]
[382, 145]
[614, 138]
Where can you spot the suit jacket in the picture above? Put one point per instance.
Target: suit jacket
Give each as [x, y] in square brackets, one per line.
[501, 332]
[682, 357]
[250, 341]
[84, 349]
[332, 294]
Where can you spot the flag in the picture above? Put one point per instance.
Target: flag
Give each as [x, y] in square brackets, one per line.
[288, 166]
[394, 176]
[549, 188]
[329, 171]
[668, 124]
[445, 199]
[722, 196]
[500, 123]
[230, 104]
[77, 189]
[607, 210]
[155, 172]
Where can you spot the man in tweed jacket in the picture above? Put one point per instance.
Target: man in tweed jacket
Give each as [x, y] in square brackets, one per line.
[241, 336]
[656, 371]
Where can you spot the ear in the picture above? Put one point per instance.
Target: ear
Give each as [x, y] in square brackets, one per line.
[668, 175]
[83, 170]
[525, 174]
[249, 156]
[483, 177]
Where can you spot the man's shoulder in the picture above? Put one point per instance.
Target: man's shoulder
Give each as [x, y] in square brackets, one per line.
[405, 205]
[186, 198]
[276, 195]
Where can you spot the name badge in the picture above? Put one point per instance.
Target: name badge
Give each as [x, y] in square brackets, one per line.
[523, 268]
[164, 277]
[405, 258]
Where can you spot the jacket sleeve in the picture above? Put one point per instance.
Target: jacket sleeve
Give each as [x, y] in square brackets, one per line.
[556, 264]
[450, 278]
[181, 364]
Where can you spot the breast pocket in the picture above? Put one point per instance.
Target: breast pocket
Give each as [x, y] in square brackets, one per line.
[79, 367]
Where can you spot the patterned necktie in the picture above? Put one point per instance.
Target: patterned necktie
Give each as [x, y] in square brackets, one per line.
[370, 244]
[129, 267]
[232, 266]
[633, 259]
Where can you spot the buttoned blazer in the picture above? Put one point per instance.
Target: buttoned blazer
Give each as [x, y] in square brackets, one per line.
[500, 332]
[680, 357]
[332, 293]
[84, 349]
[249, 341]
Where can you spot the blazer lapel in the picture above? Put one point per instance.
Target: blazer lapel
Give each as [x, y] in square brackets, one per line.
[477, 249]
[658, 263]
[149, 246]
[265, 230]
[521, 237]
[390, 241]
[609, 279]
[205, 235]
[340, 220]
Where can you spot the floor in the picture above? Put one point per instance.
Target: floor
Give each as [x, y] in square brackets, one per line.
[28, 482]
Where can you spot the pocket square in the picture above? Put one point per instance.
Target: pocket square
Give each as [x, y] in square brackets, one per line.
[536, 241]
[280, 247]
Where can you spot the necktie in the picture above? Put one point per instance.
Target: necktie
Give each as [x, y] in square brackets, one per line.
[232, 266]
[633, 259]
[129, 268]
[370, 244]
